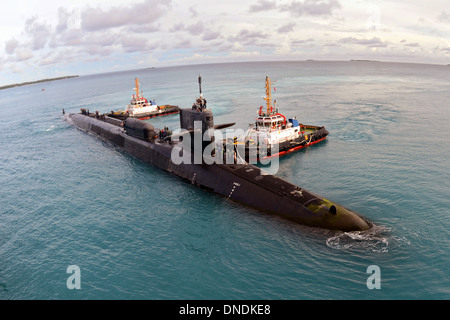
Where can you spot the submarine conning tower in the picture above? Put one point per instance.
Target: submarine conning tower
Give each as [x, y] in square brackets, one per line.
[198, 120]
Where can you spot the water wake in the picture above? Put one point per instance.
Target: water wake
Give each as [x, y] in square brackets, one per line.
[376, 239]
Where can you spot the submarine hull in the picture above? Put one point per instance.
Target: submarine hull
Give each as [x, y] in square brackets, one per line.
[243, 183]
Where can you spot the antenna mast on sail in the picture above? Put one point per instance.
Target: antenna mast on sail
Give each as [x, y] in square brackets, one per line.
[200, 84]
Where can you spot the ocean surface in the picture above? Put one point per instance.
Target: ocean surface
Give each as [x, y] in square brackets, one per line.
[136, 232]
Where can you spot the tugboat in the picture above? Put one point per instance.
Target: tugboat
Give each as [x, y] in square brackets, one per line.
[142, 109]
[278, 135]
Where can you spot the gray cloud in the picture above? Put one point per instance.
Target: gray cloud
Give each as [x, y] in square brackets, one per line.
[11, 45]
[323, 7]
[96, 50]
[287, 27]
[210, 35]
[193, 29]
[147, 12]
[262, 5]
[143, 29]
[311, 7]
[374, 42]
[300, 42]
[105, 39]
[63, 20]
[193, 12]
[177, 27]
[70, 37]
[185, 44]
[54, 57]
[196, 29]
[298, 8]
[101, 43]
[99, 32]
[413, 45]
[39, 33]
[248, 37]
[133, 43]
[444, 17]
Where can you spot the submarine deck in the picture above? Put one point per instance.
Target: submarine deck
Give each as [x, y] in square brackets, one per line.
[270, 182]
[246, 171]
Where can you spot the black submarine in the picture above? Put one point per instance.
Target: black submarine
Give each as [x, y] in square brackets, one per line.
[238, 181]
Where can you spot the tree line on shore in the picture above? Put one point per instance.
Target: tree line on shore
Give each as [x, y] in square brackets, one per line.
[32, 82]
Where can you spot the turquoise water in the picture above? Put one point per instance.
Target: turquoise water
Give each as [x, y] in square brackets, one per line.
[140, 233]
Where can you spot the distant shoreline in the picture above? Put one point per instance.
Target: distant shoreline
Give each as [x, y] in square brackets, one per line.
[362, 60]
[33, 82]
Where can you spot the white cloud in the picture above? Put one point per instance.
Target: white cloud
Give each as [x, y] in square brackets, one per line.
[372, 43]
[68, 19]
[38, 32]
[142, 13]
[23, 54]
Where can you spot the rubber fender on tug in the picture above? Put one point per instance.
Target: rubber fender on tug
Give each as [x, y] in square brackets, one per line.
[139, 129]
[319, 134]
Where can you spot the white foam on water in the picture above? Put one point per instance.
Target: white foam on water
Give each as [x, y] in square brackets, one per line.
[376, 239]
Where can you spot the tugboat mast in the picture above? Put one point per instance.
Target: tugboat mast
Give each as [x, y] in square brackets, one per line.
[200, 84]
[268, 97]
[136, 87]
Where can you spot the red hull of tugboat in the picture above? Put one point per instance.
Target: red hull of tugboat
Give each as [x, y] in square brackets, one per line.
[284, 152]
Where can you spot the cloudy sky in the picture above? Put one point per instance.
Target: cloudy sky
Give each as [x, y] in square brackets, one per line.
[47, 38]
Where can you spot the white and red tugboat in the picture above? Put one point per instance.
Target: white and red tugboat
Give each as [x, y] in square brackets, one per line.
[272, 128]
[142, 108]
